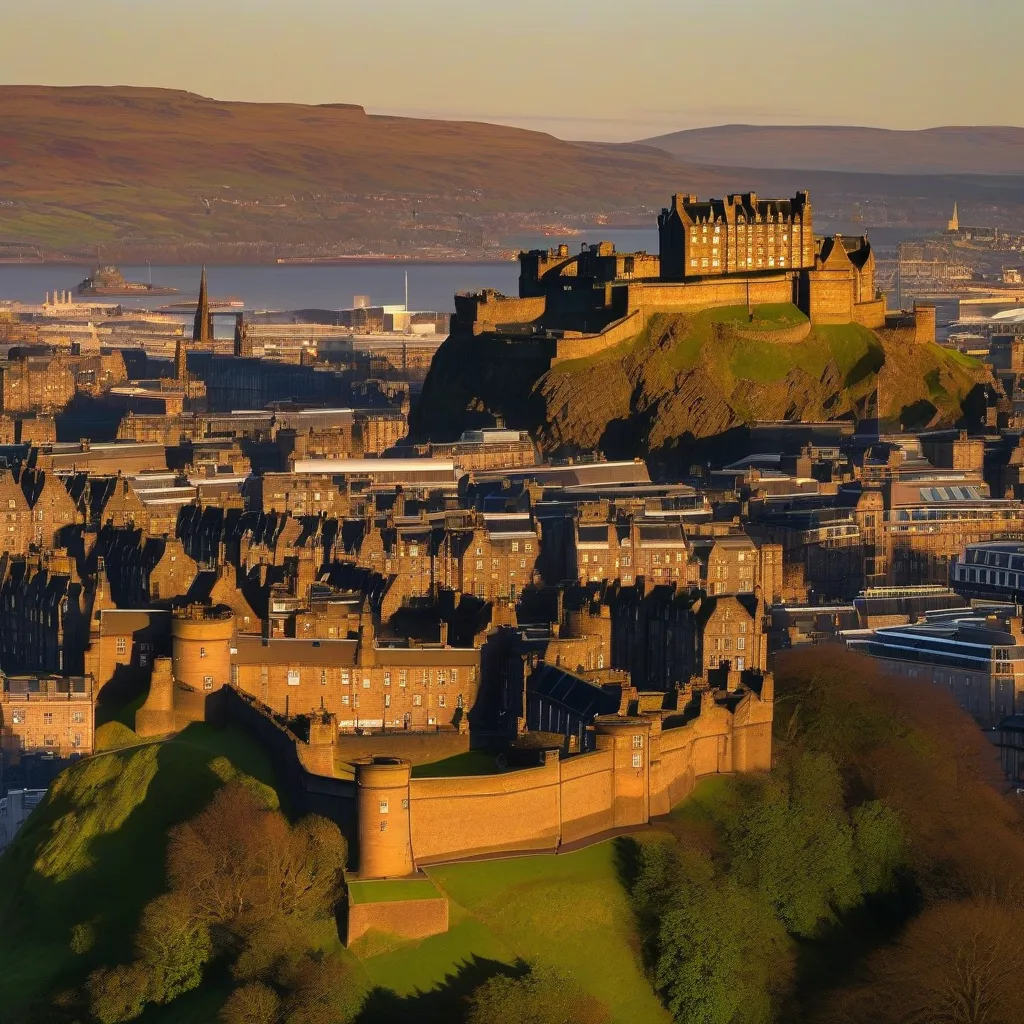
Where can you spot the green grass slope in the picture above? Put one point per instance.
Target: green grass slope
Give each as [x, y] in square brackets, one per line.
[568, 912]
[93, 854]
[693, 377]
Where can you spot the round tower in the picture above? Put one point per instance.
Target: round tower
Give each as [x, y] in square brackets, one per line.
[382, 795]
[201, 647]
[924, 323]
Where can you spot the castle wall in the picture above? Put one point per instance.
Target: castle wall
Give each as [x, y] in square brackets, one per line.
[870, 314]
[579, 348]
[830, 296]
[666, 297]
[461, 817]
[408, 919]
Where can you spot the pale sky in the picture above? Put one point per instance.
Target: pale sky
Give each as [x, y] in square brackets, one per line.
[596, 69]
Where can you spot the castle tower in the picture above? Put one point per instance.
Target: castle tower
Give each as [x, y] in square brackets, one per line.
[954, 222]
[202, 327]
[201, 647]
[382, 809]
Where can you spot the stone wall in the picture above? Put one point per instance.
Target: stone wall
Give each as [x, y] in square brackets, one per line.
[415, 747]
[407, 919]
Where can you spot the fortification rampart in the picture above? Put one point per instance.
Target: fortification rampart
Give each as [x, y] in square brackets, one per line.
[643, 765]
[778, 336]
[407, 919]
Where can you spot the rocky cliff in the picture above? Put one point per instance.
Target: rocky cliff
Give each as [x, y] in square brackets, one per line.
[688, 382]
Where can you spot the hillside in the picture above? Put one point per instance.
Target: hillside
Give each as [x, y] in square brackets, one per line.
[119, 167]
[948, 150]
[697, 378]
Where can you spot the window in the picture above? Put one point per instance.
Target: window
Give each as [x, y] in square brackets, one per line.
[18, 717]
[455, 676]
[383, 826]
[740, 664]
[383, 807]
[122, 645]
[741, 643]
[441, 700]
[638, 760]
[47, 718]
[515, 546]
[366, 684]
[344, 699]
[294, 677]
[323, 677]
[387, 700]
[403, 677]
[202, 652]
[344, 677]
[387, 678]
[76, 740]
[77, 717]
[207, 682]
[638, 741]
[49, 741]
[417, 700]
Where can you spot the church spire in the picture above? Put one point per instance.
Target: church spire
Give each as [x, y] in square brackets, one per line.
[954, 221]
[202, 328]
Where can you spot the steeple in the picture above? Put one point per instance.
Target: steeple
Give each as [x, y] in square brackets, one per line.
[954, 221]
[202, 327]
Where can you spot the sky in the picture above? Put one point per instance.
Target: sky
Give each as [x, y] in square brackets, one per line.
[581, 69]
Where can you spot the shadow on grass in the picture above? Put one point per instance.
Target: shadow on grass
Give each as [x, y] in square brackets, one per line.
[445, 1004]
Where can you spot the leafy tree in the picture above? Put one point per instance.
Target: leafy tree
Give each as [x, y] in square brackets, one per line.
[252, 1003]
[175, 946]
[539, 997]
[723, 959]
[120, 993]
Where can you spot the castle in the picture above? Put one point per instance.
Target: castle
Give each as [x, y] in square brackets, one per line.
[603, 757]
[736, 251]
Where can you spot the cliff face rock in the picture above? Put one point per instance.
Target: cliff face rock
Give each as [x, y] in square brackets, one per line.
[688, 381]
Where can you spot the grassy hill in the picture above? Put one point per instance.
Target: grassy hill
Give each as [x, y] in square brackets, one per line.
[695, 378]
[117, 167]
[93, 855]
[948, 150]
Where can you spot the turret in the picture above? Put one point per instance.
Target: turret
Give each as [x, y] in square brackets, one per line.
[382, 808]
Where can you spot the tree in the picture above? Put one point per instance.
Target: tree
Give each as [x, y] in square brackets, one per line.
[175, 946]
[957, 963]
[539, 997]
[252, 1003]
[120, 993]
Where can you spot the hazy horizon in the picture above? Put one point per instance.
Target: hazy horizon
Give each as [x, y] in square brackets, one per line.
[577, 70]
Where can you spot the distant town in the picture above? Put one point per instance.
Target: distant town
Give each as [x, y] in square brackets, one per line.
[553, 540]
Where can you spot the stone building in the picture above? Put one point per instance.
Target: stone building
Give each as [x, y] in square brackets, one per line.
[737, 234]
[46, 714]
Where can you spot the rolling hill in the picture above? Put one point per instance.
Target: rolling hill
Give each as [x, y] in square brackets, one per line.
[986, 150]
[88, 166]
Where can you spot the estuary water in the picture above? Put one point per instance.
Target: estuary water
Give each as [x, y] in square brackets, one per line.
[332, 286]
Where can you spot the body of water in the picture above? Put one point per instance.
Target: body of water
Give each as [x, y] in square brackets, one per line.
[276, 286]
[333, 286]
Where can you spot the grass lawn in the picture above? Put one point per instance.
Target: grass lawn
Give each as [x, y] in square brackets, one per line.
[470, 762]
[570, 912]
[94, 853]
[392, 891]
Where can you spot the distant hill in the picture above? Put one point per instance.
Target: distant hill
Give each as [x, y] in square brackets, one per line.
[87, 166]
[950, 150]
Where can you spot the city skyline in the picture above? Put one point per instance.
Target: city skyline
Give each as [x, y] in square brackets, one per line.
[579, 71]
